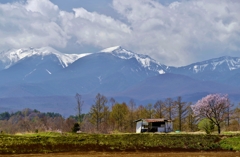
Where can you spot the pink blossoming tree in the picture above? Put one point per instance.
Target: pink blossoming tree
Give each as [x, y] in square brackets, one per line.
[215, 107]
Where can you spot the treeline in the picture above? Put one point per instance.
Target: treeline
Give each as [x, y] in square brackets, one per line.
[29, 120]
[107, 116]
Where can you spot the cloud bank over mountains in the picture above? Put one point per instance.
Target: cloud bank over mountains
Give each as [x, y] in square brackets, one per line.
[176, 34]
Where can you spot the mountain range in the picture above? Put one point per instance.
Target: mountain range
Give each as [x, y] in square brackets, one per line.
[47, 80]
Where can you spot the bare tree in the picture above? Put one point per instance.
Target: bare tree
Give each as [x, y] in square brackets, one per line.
[149, 110]
[140, 112]
[159, 108]
[214, 107]
[229, 113]
[68, 124]
[170, 108]
[111, 121]
[106, 115]
[112, 101]
[191, 119]
[132, 107]
[119, 115]
[87, 125]
[97, 110]
[236, 116]
[79, 108]
[181, 111]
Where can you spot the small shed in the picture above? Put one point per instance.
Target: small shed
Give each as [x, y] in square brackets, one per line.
[154, 125]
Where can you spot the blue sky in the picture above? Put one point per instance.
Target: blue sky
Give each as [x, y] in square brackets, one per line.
[172, 32]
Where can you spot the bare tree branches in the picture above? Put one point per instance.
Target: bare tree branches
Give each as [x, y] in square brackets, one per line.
[97, 110]
[159, 107]
[181, 111]
[80, 103]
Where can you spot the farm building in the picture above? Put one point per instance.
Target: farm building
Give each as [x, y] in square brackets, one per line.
[153, 125]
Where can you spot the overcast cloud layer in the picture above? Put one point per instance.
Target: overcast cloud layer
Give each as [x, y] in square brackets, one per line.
[176, 34]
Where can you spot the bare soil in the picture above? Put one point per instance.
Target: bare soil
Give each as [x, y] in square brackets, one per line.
[131, 154]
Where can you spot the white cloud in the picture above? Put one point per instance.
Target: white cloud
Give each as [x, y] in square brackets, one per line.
[22, 27]
[45, 7]
[97, 29]
[175, 34]
[39, 23]
[183, 31]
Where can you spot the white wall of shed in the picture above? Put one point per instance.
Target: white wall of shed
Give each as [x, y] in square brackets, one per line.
[139, 127]
[161, 129]
[169, 126]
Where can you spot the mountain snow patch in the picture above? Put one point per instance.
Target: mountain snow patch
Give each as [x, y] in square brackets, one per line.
[199, 68]
[161, 72]
[48, 72]
[11, 57]
[110, 49]
[144, 60]
[100, 79]
[220, 64]
[30, 72]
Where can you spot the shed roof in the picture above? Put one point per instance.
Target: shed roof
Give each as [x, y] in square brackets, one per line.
[153, 120]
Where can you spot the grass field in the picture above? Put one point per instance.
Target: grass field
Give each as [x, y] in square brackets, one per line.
[50, 142]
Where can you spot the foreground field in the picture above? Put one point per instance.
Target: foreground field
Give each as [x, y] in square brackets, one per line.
[124, 154]
[55, 143]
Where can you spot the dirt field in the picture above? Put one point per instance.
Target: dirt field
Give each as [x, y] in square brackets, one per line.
[137, 154]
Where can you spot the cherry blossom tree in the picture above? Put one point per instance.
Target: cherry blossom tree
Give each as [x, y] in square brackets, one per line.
[215, 107]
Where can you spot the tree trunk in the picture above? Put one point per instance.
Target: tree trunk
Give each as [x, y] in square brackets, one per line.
[219, 128]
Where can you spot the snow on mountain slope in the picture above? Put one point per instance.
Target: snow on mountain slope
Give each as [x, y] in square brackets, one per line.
[144, 60]
[9, 58]
[221, 64]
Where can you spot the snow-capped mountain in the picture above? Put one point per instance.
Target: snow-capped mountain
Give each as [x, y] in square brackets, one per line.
[221, 64]
[104, 71]
[39, 63]
[43, 73]
[217, 69]
[11, 57]
[79, 72]
[144, 60]
[33, 64]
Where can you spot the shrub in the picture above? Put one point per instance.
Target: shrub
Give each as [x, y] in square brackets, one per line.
[76, 127]
[206, 125]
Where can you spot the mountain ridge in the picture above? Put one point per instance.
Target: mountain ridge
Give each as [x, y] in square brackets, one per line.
[11, 57]
[233, 63]
[145, 60]
[45, 73]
